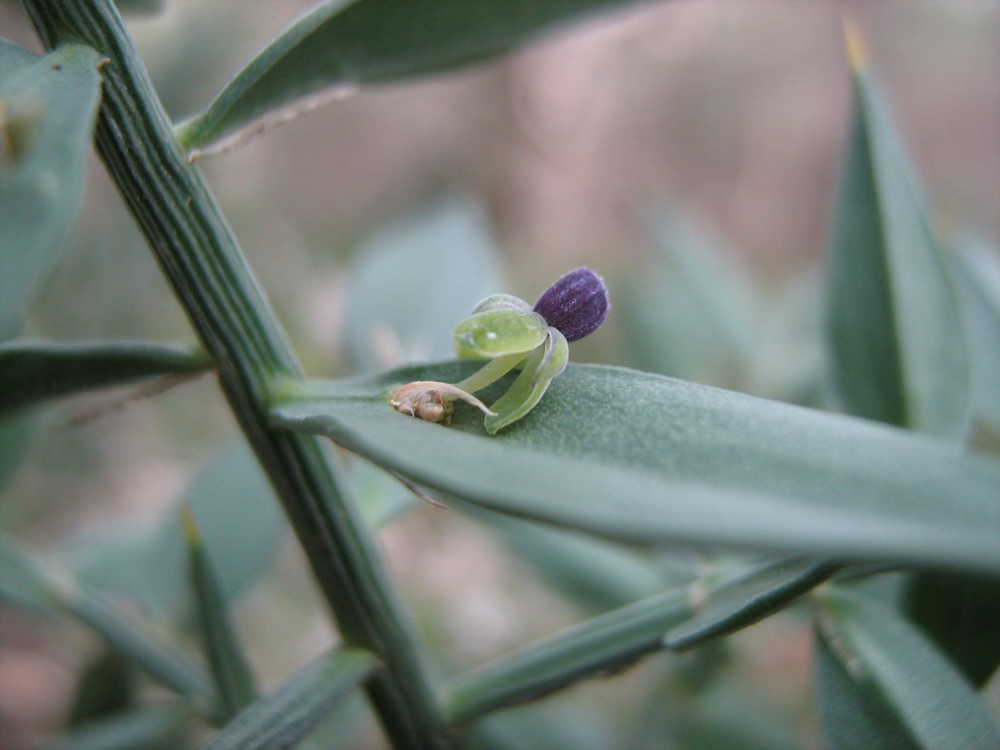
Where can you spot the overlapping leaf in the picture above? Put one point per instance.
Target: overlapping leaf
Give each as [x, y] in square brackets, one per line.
[643, 458]
[47, 110]
[35, 371]
[894, 322]
[284, 717]
[892, 684]
[240, 522]
[744, 599]
[342, 43]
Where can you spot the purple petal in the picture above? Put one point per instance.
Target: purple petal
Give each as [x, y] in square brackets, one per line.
[576, 304]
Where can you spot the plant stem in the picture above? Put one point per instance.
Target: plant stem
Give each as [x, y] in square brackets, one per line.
[197, 251]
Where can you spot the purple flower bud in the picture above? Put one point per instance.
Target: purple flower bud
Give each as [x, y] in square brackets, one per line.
[576, 304]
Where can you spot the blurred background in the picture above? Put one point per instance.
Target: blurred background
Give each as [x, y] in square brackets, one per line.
[687, 151]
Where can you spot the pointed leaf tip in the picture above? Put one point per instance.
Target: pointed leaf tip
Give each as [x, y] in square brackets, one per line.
[856, 46]
[576, 304]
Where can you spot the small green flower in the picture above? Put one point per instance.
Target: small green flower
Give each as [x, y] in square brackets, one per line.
[511, 334]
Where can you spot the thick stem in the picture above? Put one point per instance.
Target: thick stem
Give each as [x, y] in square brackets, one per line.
[199, 255]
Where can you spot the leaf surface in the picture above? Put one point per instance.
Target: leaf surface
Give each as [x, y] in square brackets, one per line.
[891, 659]
[344, 44]
[894, 322]
[284, 717]
[606, 642]
[234, 682]
[646, 459]
[742, 600]
[35, 371]
[47, 110]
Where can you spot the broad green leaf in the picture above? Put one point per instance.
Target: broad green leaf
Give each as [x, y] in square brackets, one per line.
[548, 361]
[51, 588]
[495, 333]
[888, 656]
[739, 601]
[21, 580]
[962, 615]
[542, 725]
[596, 574]
[281, 719]
[721, 720]
[241, 524]
[894, 324]
[35, 371]
[47, 110]
[234, 684]
[852, 715]
[342, 44]
[976, 271]
[16, 434]
[415, 280]
[381, 496]
[141, 729]
[688, 312]
[645, 459]
[605, 643]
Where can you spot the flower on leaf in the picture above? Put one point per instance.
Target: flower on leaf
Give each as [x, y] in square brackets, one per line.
[509, 333]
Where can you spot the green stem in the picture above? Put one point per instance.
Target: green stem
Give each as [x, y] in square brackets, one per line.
[197, 251]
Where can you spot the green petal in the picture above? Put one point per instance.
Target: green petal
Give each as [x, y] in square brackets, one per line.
[494, 333]
[543, 364]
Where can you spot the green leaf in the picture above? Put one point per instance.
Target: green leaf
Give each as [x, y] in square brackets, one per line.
[415, 280]
[739, 601]
[541, 725]
[231, 673]
[548, 361]
[893, 321]
[852, 715]
[47, 110]
[645, 459]
[688, 312]
[281, 719]
[962, 615]
[16, 435]
[27, 583]
[34, 371]
[381, 496]
[602, 644]
[107, 685]
[145, 729]
[720, 720]
[342, 44]
[888, 656]
[976, 271]
[241, 524]
[595, 574]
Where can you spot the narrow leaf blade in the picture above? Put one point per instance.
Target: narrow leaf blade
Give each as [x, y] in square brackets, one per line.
[52, 588]
[894, 321]
[233, 679]
[882, 650]
[281, 719]
[747, 598]
[645, 459]
[343, 44]
[142, 729]
[35, 371]
[607, 642]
